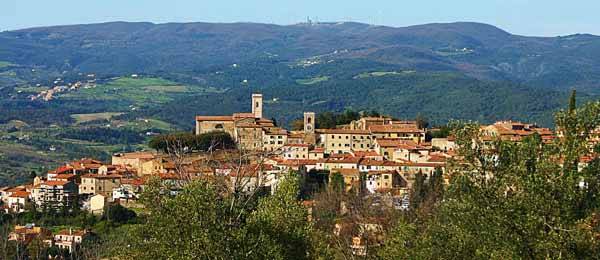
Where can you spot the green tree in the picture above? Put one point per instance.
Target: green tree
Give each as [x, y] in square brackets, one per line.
[512, 200]
[419, 190]
[282, 220]
[422, 121]
[337, 183]
[297, 125]
[203, 221]
[191, 142]
[119, 214]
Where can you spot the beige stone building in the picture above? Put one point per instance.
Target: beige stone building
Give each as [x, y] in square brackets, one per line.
[384, 181]
[295, 151]
[404, 131]
[444, 144]
[344, 140]
[274, 139]
[92, 184]
[366, 122]
[135, 160]
[515, 131]
[253, 132]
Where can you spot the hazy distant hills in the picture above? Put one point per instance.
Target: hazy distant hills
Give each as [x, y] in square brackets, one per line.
[477, 50]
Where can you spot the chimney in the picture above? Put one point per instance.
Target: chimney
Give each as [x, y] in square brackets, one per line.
[257, 104]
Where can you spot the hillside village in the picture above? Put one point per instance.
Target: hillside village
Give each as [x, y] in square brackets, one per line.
[376, 157]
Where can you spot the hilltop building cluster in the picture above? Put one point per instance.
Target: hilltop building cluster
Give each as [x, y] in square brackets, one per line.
[377, 156]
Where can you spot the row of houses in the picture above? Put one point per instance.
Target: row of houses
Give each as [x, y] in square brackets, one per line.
[67, 239]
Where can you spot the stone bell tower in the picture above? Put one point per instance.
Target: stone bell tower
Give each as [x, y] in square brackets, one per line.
[257, 105]
[309, 128]
[309, 122]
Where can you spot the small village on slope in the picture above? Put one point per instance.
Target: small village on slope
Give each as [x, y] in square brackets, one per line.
[378, 157]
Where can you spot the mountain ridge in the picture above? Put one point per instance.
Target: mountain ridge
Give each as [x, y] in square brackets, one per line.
[479, 50]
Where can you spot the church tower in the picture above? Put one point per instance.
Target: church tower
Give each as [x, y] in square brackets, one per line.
[257, 105]
[309, 128]
[309, 122]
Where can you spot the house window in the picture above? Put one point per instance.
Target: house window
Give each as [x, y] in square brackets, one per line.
[219, 126]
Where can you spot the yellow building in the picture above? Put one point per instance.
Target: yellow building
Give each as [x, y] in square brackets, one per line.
[404, 131]
[344, 140]
[135, 160]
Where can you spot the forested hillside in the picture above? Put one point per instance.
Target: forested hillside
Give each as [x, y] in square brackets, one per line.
[478, 50]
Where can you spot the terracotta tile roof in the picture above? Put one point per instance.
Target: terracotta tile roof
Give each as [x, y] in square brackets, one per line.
[296, 135]
[347, 172]
[352, 160]
[62, 169]
[67, 232]
[437, 158]
[131, 181]
[249, 125]
[317, 150]
[55, 183]
[101, 176]
[20, 194]
[276, 131]
[382, 172]
[394, 129]
[65, 176]
[242, 115]
[214, 118]
[297, 162]
[398, 143]
[424, 164]
[371, 162]
[16, 189]
[366, 154]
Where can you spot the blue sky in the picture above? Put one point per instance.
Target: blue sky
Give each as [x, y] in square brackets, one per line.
[525, 17]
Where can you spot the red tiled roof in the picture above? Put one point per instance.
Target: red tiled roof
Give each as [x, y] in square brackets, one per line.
[16, 189]
[297, 162]
[65, 176]
[317, 150]
[55, 183]
[346, 171]
[371, 162]
[214, 118]
[20, 194]
[62, 169]
[348, 160]
[102, 176]
[365, 154]
[382, 172]
[398, 143]
[243, 115]
[67, 232]
[395, 128]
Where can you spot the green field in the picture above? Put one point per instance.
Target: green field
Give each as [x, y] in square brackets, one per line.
[132, 91]
[4, 64]
[312, 81]
[31, 89]
[83, 118]
[382, 73]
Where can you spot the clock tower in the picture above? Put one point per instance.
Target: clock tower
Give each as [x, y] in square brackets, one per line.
[309, 122]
